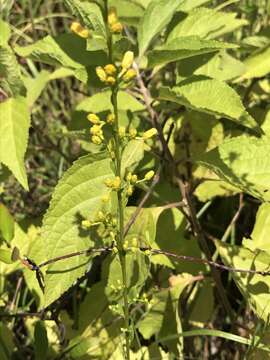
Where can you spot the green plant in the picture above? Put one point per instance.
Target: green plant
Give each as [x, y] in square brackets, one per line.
[166, 146]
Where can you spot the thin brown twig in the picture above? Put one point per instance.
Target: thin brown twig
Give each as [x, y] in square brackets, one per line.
[235, 218]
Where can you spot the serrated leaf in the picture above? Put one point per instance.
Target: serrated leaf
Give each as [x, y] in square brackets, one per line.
[210, 96]
[91, 16]
[206, 23]
[10, 74]
[49, 51]
[156, 16]
[14, 126]
[77, 196]
[5, 32]
[255, 288]
[182, 48]
[258, 64]
[102, 102]
[243, 162]
[6, 223]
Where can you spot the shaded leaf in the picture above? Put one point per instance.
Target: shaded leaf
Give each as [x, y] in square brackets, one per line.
[258, 64]
[41, 341]
[6, 223]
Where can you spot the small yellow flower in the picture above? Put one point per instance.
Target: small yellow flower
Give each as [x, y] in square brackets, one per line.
[86, 224]
[116, 183]
[125, 245]
[78, 29]
[112, 16]
[129, 176]
[132, 133]
[116, 28]
[149, 175]
[128, 59]
[96, 140]
[110, 80]
[110, 118]
[93, 118]
[149, 133]
[134, 242]
[96, 130]
[101, 74]
[134, 179]
[110, 69]
[130, 190]
[122, 131]
[129, 75]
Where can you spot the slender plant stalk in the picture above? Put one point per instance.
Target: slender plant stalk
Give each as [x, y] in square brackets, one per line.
[120, 236]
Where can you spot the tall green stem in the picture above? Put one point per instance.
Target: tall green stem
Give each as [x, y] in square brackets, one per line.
[120, 235]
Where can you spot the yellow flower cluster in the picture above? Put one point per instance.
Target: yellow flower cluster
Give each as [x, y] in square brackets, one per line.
[78, 29]
[114, 184]
[115, 25]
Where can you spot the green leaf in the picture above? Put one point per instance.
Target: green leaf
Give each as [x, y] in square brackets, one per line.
[188, 5]
[255, 288]
[132, 155]
[14, 125]
[209, 189]
[102, 102]
[6, 223]
[206, 23]
[4, 32]
[49, 51]
[41, 341]
[259, 238]
[127, 11]
[77, 196]
[10, 74]
[5, 256]
[258, 64]
[91, 16]
[210, 96]
[220, 66]
[156, 16]
[243, 162]
[184, 47]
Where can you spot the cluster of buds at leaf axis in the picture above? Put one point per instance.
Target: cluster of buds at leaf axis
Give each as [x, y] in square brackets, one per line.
[79, 30]
[115, 26]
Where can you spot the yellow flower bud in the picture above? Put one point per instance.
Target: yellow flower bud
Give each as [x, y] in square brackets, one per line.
[134, 179]
[127, 60]
[116, 183]
[116, 28]
[125, 245]
[96, 140]
[122, 131]
[134, 242]
[86, 224]
[129, 75]
[130, 190]
[112, 16]
[110, 69]
[110, 118]
[149, 175]
[149, 133]
[93, 118]
[132, 133]
[110, 80]
[101, 74]
[78, 29]
[96, 130]
[129, 176]
[115, 250]
[108, 182]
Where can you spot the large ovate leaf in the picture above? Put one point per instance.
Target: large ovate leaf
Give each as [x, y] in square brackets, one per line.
[50, 51]
[206, 23]
[91, 16]
[77, 196]
[258, 64]
[10, 74]
[255, 288]
[156, 16]
[14, 126]
[132, 154]
[243, 162]
[184, 47]
[102, 102]
[210, 96]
